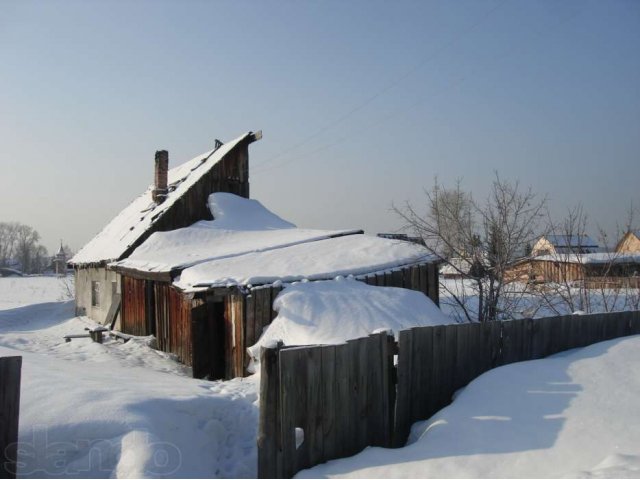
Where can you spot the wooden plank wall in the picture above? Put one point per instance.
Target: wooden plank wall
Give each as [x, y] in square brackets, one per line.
[134, 306]
[326, 391]
[423, 278]
[10, 376]
[258, 314]
[330, 397]
[173, 322]
[434, 362]
[235, 351]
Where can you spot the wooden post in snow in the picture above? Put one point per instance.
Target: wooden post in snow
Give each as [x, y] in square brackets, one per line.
[10, 369]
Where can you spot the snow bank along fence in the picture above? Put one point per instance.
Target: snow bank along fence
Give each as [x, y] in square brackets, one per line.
[319, 403]
[10, 370]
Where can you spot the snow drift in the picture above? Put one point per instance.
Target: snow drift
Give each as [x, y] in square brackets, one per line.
[332, 312]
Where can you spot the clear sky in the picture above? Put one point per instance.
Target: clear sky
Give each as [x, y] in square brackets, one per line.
[361, 103]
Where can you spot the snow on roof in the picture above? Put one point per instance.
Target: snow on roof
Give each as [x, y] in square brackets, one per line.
[571, 241]
[315, 313]
[318, 260]
[240, 226]
[132, 222]
[591, 258]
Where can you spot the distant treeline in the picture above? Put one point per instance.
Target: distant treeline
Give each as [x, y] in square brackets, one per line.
[20, 248]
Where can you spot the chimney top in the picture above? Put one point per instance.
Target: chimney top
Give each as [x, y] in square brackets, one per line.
[160, 177]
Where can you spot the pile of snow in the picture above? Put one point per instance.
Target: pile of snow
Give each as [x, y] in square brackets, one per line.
[554, 417]
[127, 227]
[319, 260]
[599, 258]
[335, 311]
[231, 212]
[240, 226]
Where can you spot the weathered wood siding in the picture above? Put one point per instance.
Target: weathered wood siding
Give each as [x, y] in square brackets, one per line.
[234, 317]
[134, 320]
[173, 322]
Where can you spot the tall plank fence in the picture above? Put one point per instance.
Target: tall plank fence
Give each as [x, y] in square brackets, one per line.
[10, 370]
[319, 403]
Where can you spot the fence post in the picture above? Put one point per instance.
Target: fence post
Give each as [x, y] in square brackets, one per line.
[10, 370]
[269, 431]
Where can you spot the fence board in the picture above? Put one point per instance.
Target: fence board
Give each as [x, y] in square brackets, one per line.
[269, 445]
[328, 402]
[403, 410]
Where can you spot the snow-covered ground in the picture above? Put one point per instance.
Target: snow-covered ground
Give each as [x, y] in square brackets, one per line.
[126, 410]
[526, 301]
[572, 415]
[116, 410]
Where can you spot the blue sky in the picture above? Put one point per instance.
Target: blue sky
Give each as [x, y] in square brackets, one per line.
[361, 103]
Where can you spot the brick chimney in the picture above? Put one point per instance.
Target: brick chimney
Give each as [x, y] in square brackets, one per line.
[160, 177]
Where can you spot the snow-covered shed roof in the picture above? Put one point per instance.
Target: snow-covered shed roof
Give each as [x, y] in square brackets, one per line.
[318, 260]
[248, 244]
[240, 226]
[136, 219]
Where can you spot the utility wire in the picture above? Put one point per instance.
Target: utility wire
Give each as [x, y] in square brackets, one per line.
[260, 168]
[386, 88]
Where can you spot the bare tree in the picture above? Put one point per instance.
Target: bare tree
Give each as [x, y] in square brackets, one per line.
[478, 241]
[8, 239]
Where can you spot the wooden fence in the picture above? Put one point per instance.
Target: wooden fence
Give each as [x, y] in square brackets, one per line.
[342, 398]
[10, 370]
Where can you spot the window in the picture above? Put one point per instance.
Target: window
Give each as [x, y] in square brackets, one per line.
[95, 294]
[114, 288]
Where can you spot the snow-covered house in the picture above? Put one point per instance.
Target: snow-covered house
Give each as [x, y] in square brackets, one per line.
[177, 198]
[206, 291]
[629, 243]
[561, 244]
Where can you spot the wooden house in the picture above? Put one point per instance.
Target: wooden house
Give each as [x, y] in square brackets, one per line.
[596, 270]
[177, 198]
[629, 243]
[564, 244]
[206, 292]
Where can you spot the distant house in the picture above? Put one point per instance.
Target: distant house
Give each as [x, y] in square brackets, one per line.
[595, 269]
[629, 243]
[177, 198]
[564, 244]
[198, 264]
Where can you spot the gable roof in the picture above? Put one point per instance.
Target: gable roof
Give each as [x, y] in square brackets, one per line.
[246, 243]
[142, 213]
